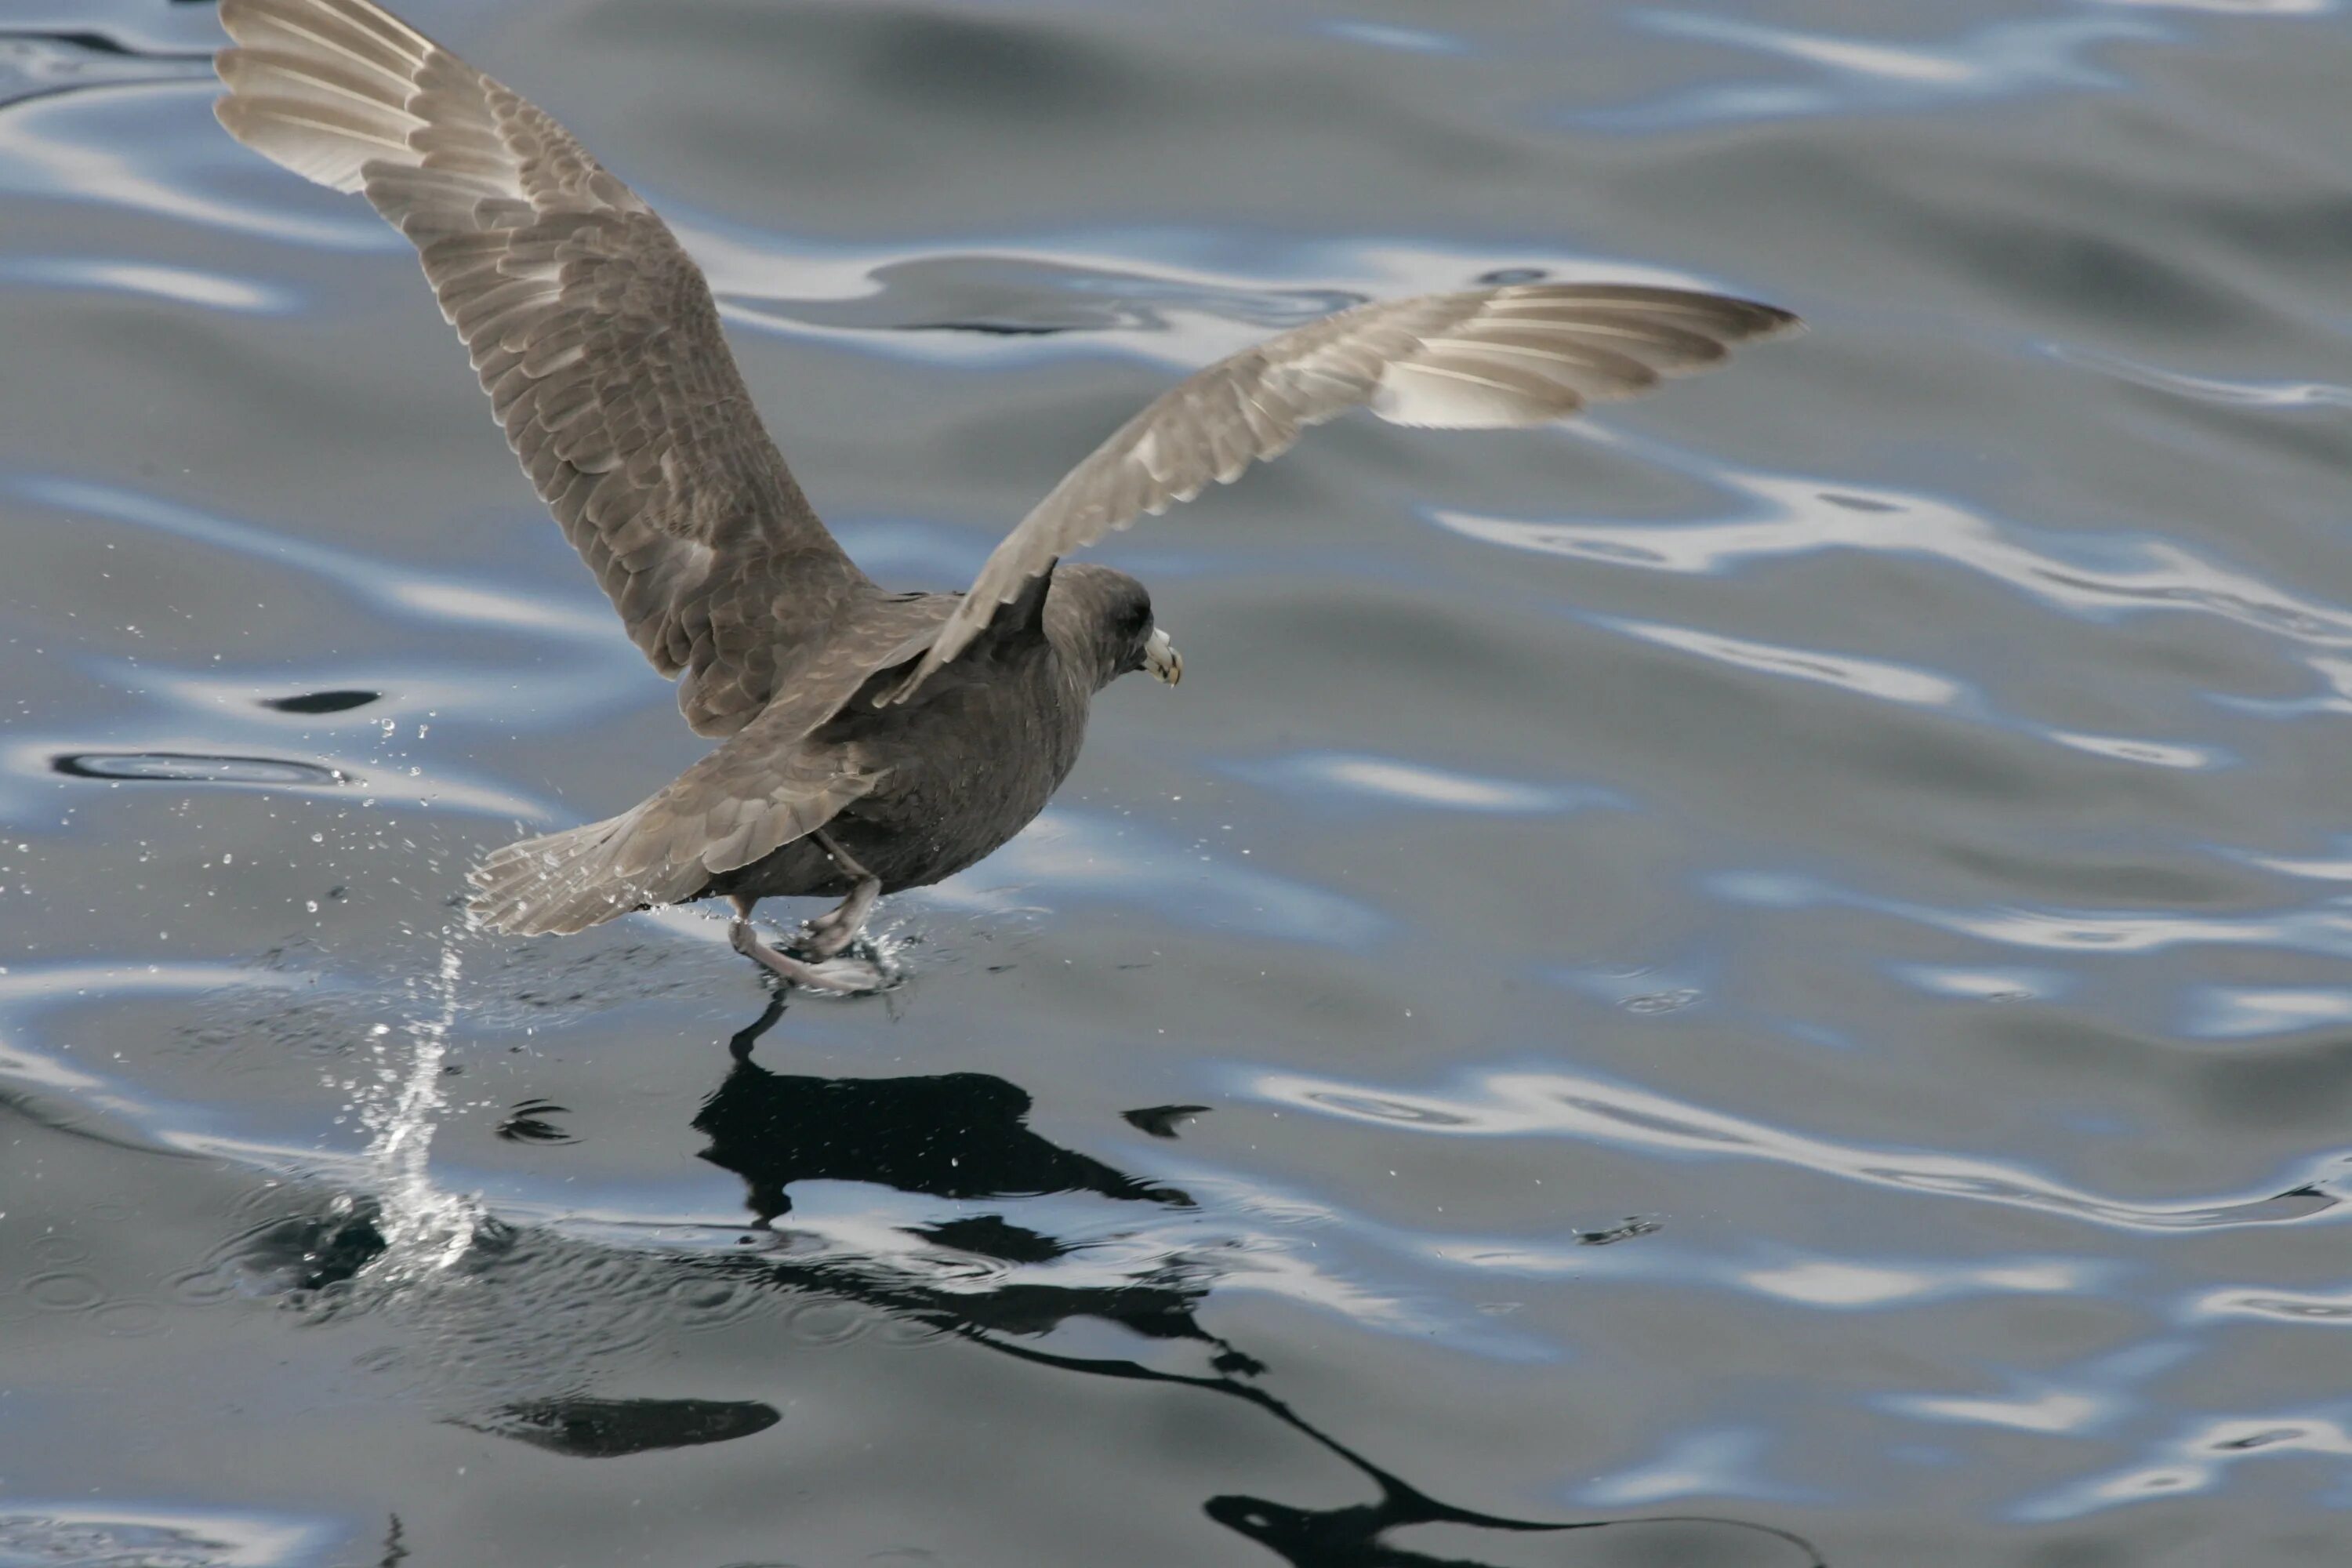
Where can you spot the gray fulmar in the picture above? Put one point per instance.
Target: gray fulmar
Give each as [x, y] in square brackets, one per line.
[872, 741]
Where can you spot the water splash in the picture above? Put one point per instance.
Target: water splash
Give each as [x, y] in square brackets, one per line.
[426, 1229]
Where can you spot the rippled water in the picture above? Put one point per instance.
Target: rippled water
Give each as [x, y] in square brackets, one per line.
[1774, 963]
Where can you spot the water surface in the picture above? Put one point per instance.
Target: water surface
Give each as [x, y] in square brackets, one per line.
[1771, 964]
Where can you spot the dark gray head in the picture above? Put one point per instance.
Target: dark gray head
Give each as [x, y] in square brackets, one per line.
[1100, 620]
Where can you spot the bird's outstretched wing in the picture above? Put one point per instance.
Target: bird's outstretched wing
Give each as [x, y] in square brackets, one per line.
[1522, 354]
[592, 331]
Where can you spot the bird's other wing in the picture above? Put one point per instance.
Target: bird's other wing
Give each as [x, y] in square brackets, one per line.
[592, 331]
[1523, 354]
[780, 777]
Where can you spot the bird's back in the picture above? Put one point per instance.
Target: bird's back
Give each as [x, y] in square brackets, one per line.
[965, 766]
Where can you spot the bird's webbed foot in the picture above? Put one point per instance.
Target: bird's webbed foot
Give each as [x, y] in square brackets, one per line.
[850, 975]
[833, 932]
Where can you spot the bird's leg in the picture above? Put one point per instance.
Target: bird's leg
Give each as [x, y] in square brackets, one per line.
[746, 940]
[854, 976]
[833, 931]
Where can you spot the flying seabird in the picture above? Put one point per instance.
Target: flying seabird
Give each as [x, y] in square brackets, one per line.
[871, 741]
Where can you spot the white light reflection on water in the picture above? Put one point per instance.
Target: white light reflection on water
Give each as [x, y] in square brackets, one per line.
[2240, 1013]
[181, 285]
[2051, 1411]
[1084, 854]
[2153, 754]
[420, 594]
[1381, 35]
[2237, 7]
[2324, 929]
[2331, 1308]
[1570, 1105]
[1720, 1463]
[2197, 1461]
[61, 149]
[133, 1535]
[1908, 685]
[1789, 516]
[1977, 984]
[1869, 75]
[1324, 775]
[1867, 677]
[2204, 388]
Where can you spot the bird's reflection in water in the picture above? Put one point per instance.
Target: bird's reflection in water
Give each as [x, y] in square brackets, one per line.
[957, 1135]
[965, 1136]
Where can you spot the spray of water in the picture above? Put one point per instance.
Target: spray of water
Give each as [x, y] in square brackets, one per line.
[424, 1228]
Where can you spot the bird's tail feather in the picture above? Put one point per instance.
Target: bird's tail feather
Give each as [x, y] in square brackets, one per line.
[564, 882]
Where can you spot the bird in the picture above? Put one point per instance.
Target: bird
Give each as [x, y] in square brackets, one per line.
[871, 741]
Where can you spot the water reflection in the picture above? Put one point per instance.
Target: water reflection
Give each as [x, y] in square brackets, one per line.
[980, 1276]
[964, 1135]
[956, 1135]
[1927, 894]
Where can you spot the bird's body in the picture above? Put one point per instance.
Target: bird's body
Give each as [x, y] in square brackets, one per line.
[946, 804]
[871, 741]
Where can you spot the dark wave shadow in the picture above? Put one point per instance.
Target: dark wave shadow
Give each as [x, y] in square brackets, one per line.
[609, 1428]
[196, 767]
[42, 63]
[1016, 296]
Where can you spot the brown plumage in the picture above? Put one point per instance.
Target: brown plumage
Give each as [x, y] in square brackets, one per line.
[872, 741]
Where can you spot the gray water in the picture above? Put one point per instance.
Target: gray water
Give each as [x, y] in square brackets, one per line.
[1775, 959]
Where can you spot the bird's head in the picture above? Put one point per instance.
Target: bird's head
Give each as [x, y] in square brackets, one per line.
[1103, 617]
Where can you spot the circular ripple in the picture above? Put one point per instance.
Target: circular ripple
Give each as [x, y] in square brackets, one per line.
[64, 1290]
[57, 1251]
[201, 1286]
[901, 1334]
[701, 1305]
[826, 1323]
